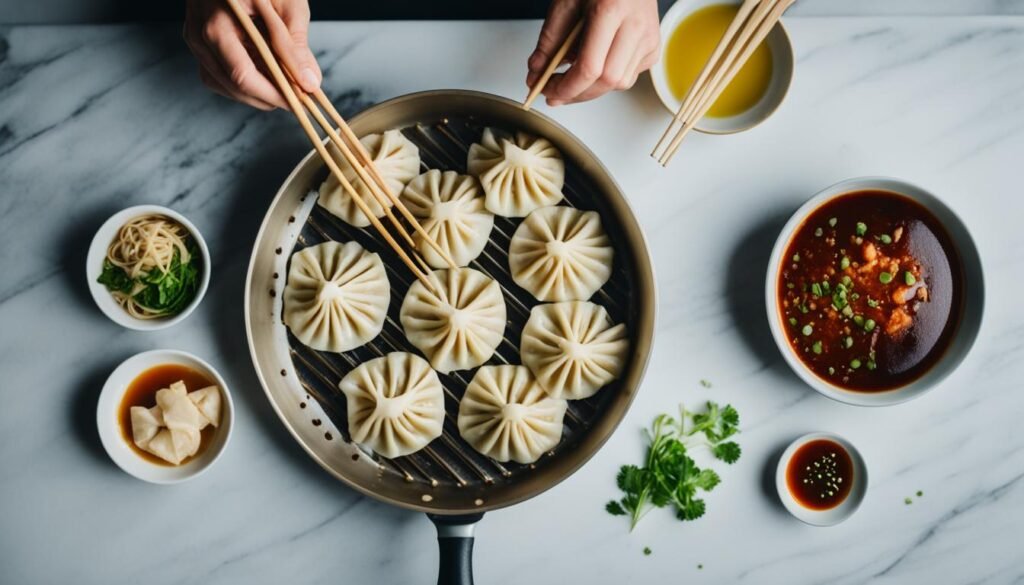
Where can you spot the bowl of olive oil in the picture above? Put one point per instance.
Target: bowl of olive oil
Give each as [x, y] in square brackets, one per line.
[690, 31]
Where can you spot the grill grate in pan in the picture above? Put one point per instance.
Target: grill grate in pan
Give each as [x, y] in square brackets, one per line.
[449, 460]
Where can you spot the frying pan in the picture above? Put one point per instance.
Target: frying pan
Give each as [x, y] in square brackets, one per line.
[448, 480]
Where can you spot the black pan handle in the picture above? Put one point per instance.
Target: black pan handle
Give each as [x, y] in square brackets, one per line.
[455, 543]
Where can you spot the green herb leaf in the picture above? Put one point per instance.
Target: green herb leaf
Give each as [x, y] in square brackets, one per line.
[115, 278]
[729, 452]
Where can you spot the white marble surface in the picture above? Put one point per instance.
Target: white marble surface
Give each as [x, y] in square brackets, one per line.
[95, 119]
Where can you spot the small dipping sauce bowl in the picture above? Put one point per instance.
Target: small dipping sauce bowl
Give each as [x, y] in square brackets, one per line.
[782, 61]
[115, 441]
[855, 487]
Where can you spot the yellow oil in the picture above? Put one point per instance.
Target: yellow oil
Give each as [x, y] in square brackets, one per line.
[691, 45]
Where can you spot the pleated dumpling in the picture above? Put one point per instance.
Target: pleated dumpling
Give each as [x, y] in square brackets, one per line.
[337, 296]
[395, 404]
[450, 208]
[461, 325]
[507, 416]
[396, 158]
[519, 173]
[573, 348]
[561, 254]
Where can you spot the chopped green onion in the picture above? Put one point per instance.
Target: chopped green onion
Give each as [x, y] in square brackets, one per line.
[807, 330]
[872, 303]
[885, 278]
[859, 320]
[847, 281]
[909, 278]
[831, 371]
[818, 232]
[885, 239]
[792, 321]
[844, 263]
[848, 342]
[869, 325]
[832, 222]
[796, 257]
[855, 363]
[816, 348]
[872, 365]
[862, 228]
[848, 311]
[816, 290]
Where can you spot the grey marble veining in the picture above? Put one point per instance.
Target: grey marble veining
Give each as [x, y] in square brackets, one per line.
[94, 119]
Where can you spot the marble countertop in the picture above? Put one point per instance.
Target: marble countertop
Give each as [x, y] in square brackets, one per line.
[93, 119]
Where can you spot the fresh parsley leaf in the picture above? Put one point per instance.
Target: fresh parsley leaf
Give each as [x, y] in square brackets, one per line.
[669, 476]
[728, 452]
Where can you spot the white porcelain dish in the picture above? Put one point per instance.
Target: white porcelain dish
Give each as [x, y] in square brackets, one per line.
[834, 515]
[98, 251]
[114, 441]
[974, 294]
[782, 73]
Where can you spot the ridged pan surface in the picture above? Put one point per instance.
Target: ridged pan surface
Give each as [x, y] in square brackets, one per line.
[448, 476]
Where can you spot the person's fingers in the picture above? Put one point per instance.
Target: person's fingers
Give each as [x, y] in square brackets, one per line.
[289, 38]
[562, 16]
[618, 67]
[222, 36]
[598, 33]
[214, 79]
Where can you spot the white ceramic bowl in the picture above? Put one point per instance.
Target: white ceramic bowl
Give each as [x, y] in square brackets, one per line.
[831, 516]
[974, 294]
[782, 73]
[98, 252]
[109, 426]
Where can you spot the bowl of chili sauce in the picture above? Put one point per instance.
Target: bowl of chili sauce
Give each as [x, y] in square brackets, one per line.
[821, 479]
[874, 292]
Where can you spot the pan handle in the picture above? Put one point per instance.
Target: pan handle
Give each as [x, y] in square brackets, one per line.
[455, 543]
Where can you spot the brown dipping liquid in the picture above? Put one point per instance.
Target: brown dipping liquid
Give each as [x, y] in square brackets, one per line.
[142, 392]
[870, 291]
[820, 474]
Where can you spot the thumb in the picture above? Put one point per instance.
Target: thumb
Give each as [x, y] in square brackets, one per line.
[289, 35]
[561, 18]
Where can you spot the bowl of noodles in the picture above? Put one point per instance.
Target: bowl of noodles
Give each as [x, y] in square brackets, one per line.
[148, 267]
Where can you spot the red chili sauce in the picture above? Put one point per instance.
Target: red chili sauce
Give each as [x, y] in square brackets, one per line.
[870, 291]
[820, 474]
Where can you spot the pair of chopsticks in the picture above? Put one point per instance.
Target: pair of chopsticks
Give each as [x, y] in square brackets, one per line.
[754, 20]
[353, 152]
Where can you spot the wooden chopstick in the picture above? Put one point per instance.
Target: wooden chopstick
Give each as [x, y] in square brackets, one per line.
[751, 35]
[689, 101]
[385, 204]
[556, 60]
[367, 160]
[284, 86]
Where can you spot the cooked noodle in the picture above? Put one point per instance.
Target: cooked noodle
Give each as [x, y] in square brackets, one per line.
[142, 246]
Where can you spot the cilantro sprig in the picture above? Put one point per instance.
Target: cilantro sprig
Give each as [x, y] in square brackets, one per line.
[669, 476]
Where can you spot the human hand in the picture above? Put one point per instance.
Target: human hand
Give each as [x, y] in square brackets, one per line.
[619, 41]
[227, 59]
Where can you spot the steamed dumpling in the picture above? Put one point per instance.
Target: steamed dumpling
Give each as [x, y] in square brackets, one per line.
[146, 423]
[573, 348]
[337, 296]
[561, 254]
[451, 210]
[459, 327]
[396, 158]
[519, 173]
[207, 401]
[507, 416]
[395, 404]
